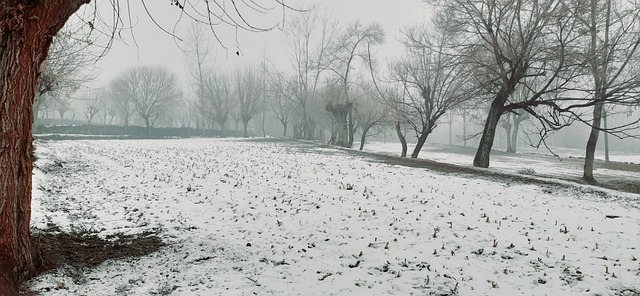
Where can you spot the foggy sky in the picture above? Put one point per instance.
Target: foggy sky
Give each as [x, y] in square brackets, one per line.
[147, 44]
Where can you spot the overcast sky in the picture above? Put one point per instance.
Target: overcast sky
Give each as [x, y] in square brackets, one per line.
[152, 46]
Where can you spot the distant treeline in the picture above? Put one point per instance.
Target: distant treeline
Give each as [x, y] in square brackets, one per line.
[136, 132]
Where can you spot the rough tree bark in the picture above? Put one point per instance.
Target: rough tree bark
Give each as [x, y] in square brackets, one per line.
[483, 153]
[365, 130]
[421, 140]
[284, 128]
[606, 136]
[26, 32]
[592, 143]
[403, 142]
[514, 133]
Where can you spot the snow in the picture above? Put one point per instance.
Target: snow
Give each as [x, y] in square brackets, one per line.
[566, 165]
[288, 218]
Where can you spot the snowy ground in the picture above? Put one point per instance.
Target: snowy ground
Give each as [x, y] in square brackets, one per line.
[285, 218]
[532, 161]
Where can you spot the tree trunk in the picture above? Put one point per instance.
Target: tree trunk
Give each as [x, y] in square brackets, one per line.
[483, 153]
[592, 143]
[264, 133]
[514, 133]
[332, 138]
[421, 141]
[309, 129]
[450, 132]
[464, 128]
[606, 135]
[342, 129]
[403, 142]
[297, 131]
[351, 126]
[36, 110]
[507, 129]
[25, 37]
[222, 124]
[365, 130]
[148, 125]
[284, 130]
[245, 131]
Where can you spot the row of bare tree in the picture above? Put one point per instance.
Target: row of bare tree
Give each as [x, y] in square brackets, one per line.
[559, 61]
[554, 60]
[551, 63]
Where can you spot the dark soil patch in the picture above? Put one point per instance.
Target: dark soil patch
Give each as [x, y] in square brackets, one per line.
[622, 185]
[625, 185]
[53, 249]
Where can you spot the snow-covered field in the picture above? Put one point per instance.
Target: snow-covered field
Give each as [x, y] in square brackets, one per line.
[537, 161]
[285, 218]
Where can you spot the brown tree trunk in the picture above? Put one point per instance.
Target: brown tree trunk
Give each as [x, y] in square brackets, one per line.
[25, 36]
[421, 141]
[402, 139]
[514, 133]
[592, 143]
[365, 130]
[483, 153]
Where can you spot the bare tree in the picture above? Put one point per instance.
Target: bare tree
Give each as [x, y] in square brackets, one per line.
[153, 91]
[199, 64]
[435, 81]
[280, 101]
[353, 43]
[248, 91]
[186, 112]
[25, 39]
[508, 43]
[121, 90]
[511, 122]
[217, 98]
[108, 109]
[613, 31]
[340, 109]
[236, 115]
[93, 103]
[309, 37]
[27, 32]
[61, 103]
[66, 68]
[371, 113]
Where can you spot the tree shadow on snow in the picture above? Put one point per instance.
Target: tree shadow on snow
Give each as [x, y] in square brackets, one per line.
[53, 249]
